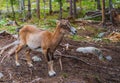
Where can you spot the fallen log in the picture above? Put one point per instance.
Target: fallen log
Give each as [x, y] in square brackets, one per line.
[14, 44]
[95, 15]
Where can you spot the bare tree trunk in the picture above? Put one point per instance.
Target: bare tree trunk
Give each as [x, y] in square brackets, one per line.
[23, 4]
[81, 4]
[38, 8]
[11, 1]
[60, 15]
[74, 5]
[20, 5]
[103, 12]
[98, 5]
[110, 8]
[29, 10]
[44, 9]
[23, 9]
[71, 13]
[50, 6]
[7, 5]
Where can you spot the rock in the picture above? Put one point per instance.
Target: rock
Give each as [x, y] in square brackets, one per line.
[1, 75]
[92, 50]
[109, 58]
[15, 36]
[36, 59]
[100, 35]
[87, 49]
[67, 46]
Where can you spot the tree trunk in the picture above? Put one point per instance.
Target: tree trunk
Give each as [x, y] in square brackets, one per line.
[38, 8]
[11, 1]
[44, 9]
[98, 5]
[29, 10]
[60, 15]
[7, 6]
[110, 8]
[71, 13]
[50, 6]
[74, 5]
[81, 4]
[103, 12]
[23, 4]
[20, 5]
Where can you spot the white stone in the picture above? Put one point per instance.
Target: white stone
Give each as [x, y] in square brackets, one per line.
[109, 58]
[36, 58]
[86, 49]
[1, 75]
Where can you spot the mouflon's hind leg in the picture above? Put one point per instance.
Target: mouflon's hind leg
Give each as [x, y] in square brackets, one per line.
[16, 54]
[29, 62]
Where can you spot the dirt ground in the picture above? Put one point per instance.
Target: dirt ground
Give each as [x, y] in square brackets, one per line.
[74, 71]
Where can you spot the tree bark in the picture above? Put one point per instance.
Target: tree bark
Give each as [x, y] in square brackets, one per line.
[71, 13]
[60, 15]
[50, 6]
[98, 5]
[29, 10]
[44, 9]
[110, 8]
[7, 5]
[81, 4]
[103, 12]
[11, 1]
[74, 5]
[38, 8]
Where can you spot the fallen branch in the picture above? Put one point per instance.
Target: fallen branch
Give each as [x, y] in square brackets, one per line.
[36, 80]
[8, 46]
[3, 58]
[94, 16]
[73, 57]
[11, 51]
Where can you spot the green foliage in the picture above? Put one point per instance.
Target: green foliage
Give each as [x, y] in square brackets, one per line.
[65, 75]
[3, 26]
[59, 0]
[49, 21]
[2, 22]
[77, 37]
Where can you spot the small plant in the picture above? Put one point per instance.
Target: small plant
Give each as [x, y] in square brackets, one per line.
[65, 75]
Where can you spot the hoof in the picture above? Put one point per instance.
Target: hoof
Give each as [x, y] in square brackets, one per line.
[17, 64]
[52, 73]
[30, 64]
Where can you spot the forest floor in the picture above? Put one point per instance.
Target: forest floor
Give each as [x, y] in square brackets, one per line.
[74, 71]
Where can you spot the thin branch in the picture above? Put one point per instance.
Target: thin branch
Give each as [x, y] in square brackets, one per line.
[8, 46]
[74, 57]
[35, 80]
